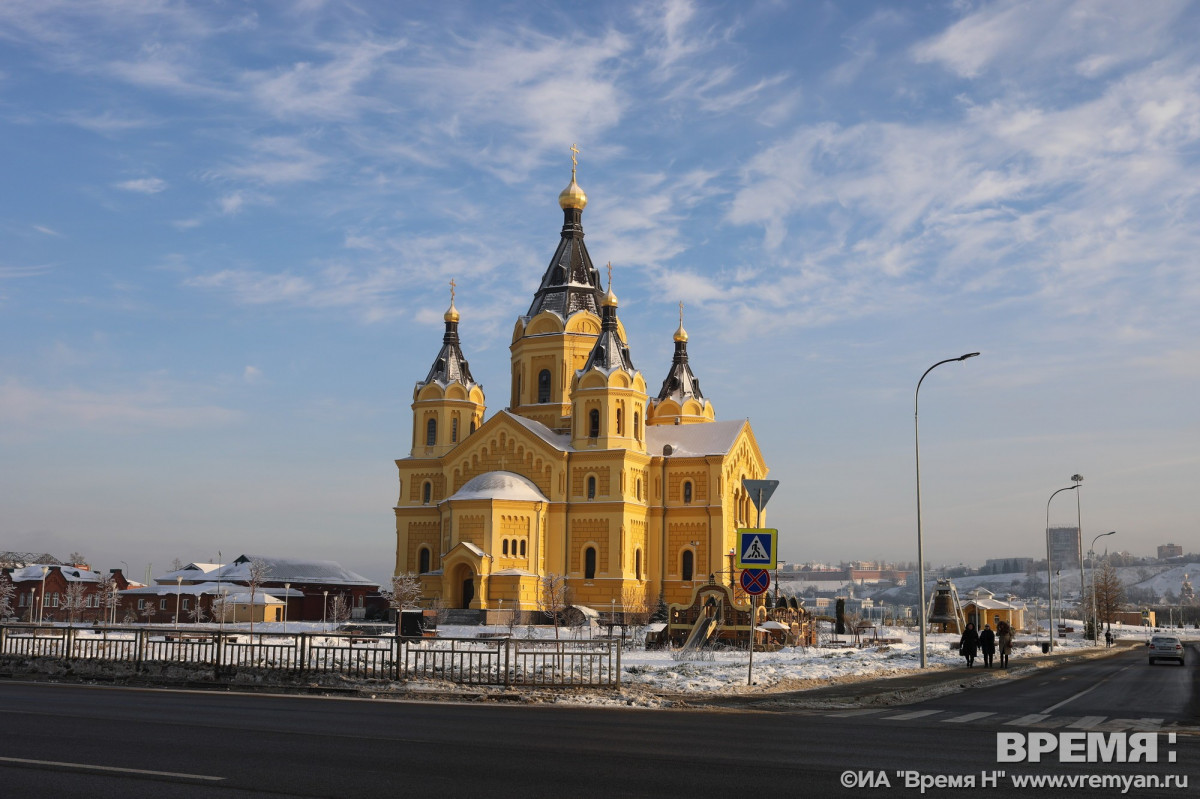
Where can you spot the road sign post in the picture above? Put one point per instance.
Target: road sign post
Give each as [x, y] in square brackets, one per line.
[760, 491]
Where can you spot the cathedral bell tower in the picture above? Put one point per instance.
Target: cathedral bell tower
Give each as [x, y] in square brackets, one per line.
[553, 339]
[679, 401]
[448, 404]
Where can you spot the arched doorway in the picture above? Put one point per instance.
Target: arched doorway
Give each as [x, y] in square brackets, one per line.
[468, 591]
[462, 586]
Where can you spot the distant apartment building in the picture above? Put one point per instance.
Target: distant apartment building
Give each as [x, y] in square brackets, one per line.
[1064, 547]
[1166, 551]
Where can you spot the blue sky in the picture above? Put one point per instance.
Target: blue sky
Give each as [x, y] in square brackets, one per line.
[227, 231]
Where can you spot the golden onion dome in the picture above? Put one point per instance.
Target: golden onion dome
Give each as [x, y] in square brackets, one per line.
[451, 314]
[610, 299]
[572, 197]
[680, 333]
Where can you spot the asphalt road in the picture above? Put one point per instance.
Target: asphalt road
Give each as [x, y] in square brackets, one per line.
[99, 742]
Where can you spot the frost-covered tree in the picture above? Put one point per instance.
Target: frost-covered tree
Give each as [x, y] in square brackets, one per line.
[74, 600]
[109, 596]
[339, 609]
[197, 614]
[552, 598]
[256, 575]
[7, 591]
[406, 591]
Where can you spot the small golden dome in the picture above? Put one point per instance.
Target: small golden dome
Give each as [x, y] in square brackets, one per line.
[610, 299]
[451, 314]
[572, 197]
[681, 334]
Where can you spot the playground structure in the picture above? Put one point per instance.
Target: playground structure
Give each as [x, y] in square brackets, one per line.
[715, 616]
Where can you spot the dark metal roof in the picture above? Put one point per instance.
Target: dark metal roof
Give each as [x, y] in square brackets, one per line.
[609, 352]
[570, 283]
[450, 366]
[680, 385]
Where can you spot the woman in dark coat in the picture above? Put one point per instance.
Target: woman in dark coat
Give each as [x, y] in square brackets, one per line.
[987, 645]
[969, 643]
[1006, 641]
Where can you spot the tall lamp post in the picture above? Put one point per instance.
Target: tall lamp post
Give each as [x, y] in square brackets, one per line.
[920, 538]
[287, 596]
[1049, 571]
[1077, 479]
[41, 607]
[178, 588]
[1095, 614]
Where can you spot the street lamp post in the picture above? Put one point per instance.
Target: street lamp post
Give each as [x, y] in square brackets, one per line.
[1095, 613]
[41, 607]
[1049, 572]
[324, 606]
[287, 595]
[920, 538]
[178, 588]
[1077, 479]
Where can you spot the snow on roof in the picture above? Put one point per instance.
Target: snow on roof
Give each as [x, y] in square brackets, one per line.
[560, 441]
[500, 485]
[511, 573]
[260, 598]
[707, 438]
[70, 573]
[291, 570]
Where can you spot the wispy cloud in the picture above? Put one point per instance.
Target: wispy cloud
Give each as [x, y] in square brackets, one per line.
[143, 185]
[154, 405]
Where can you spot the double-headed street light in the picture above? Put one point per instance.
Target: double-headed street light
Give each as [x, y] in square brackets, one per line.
[1095, 615]
[920, 540]
[1049, 571]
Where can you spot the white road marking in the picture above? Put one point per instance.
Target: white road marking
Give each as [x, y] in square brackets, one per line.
[860, 712]
[968, 717]
[1025, 721]
[1087, 722]
[114, 769]
[916, 714]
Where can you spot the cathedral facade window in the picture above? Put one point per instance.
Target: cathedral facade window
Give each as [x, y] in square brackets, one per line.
[543, 389]
[589, 563]
[687, 492]
[688, 567]
[430, 432]
[593, 423]
[426, 492]
[591, 487]
[423, 558]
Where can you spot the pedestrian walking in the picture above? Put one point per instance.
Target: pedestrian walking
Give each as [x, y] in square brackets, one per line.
[1004, 636]
[1108, 637]
[987, 645]
[968, 644]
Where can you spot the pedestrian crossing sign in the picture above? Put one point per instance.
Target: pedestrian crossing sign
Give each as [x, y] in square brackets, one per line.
[756, 548]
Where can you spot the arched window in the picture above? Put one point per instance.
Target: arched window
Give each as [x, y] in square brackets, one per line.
[504, 547]
[589, 563]
[620, 422]
[431, 432]
[522, 547]
[426, 492]
[591, 487]
[454, 430]
[472, 425]
[637, 564]
[593, 423]
[689, 564]
[637, 422]
[423, 560]
[639, 488]
[687, 492]
[543, 386]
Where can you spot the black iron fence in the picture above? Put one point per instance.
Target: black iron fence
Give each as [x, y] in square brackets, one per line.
[466, 661]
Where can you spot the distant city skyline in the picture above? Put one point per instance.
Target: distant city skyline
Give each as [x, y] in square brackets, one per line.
[228, 233]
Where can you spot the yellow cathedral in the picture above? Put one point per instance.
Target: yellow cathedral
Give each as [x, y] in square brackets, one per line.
[585, 475]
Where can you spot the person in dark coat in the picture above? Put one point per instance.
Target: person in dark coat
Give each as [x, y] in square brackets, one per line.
[969, 644]
[1005, 636]
[987, 645]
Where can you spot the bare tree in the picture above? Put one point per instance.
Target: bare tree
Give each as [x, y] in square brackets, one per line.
[552, 598]
[7, 590]
[77, 559]
[256, 574]
[197, 614]
[220, 607]
[109, 596]
[148, 611]
[406, 591]
[74, 600]
[1109, 593]
[177, 564]
[339, 609]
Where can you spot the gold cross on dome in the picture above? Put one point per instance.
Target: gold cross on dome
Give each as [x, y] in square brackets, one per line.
[574, 162]
[610, 275]
[681, 313]
[452, 286]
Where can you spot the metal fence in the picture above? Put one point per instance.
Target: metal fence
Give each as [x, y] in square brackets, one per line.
[465, 661]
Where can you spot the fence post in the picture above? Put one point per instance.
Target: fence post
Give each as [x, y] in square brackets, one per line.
[508, 645]
[220, 642]
[70, 643]
[142, 636]
[617, 644]
[4, 639]
[302, 650]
